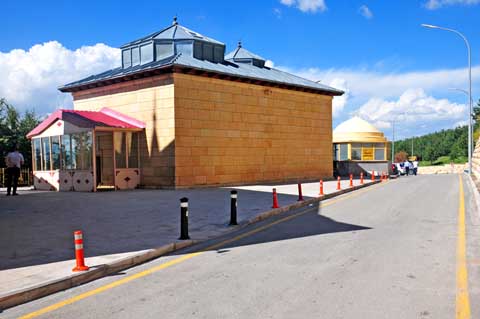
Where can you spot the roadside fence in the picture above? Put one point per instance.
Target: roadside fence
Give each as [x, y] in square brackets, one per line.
[24, 180]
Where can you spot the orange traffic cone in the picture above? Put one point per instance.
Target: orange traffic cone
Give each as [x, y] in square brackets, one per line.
[275, 199]
[79, 256]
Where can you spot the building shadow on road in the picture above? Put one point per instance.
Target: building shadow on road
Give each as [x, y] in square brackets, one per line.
[308, 224]
[38, 230]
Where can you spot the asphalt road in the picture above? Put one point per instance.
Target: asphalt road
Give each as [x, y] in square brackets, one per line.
[388, 251]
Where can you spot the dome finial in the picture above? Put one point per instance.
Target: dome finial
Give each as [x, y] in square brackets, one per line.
[175, 20]
[240, 43]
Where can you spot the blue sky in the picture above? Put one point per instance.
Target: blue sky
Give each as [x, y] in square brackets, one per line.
[376, 50]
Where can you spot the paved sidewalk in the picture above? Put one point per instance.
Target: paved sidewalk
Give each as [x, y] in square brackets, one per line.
[36, 228]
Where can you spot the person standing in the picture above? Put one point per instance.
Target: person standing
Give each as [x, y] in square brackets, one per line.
[407, 167]
[415, 167]
[14, 162]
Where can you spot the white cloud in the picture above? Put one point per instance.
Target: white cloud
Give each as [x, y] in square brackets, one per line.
[29, 79]
[379, 95]
[269, 64]
[339, 102]
[306, 5]
[365, 12]
[366, 83]
[414, 106]
[437, 4]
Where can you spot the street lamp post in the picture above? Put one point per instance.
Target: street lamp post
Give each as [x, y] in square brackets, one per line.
[469, 89]
[393, 141]
[464, 92]
[393, 134]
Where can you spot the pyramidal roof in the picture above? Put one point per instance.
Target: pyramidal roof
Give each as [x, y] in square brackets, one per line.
[174, 32]
[356, 125]
[241, 53]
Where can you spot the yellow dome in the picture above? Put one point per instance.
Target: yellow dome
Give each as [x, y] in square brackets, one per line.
[357, 130]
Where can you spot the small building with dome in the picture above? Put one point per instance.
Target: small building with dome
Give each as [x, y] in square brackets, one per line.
[358, 147]
[178, 112]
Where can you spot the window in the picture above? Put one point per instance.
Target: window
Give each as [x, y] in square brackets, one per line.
[67, 159]
[218, 53]
[197, 50]
[37, 150]
[343, 152]
[46, 153]
[379, 152]
[55, 140]
[356, 151]
[132, 149]
[208, 52]
[81, 144]
[258, 63]
[186, 48]
[163, 50]
[120, 149]
[127, 58]
[135, 56]
[146, 52]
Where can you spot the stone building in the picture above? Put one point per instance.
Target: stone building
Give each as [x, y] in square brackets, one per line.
[358, 147]
[201, 117]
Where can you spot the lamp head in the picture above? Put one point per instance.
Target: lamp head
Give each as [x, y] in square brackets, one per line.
[429, 26]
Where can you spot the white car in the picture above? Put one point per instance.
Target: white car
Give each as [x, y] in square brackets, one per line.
[400, 168]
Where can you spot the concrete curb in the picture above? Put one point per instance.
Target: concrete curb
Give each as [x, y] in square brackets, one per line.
[307, 202]
[44, 289]
[18, 297]
[475, 218]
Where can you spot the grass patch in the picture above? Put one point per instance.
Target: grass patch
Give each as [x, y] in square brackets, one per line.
[443, 160]
[424, 163]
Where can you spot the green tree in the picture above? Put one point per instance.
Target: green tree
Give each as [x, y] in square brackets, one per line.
[13, 130]
[476, 111]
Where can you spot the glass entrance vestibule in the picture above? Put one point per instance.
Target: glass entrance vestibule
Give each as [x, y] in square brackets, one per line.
[67, 157]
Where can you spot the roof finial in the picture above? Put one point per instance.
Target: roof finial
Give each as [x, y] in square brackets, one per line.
[175, 20]
[240, 43]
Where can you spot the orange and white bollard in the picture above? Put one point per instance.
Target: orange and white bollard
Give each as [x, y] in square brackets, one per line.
[275, 199]
[373, 176]
[300, 196]
[321, 188]
[339, 187]
[361, 178]
[351, 180]
[79, 255]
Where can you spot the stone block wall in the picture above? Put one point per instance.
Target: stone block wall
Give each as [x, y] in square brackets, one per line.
[476, 160]
[204, 131]
[238, 133]
[150, 100]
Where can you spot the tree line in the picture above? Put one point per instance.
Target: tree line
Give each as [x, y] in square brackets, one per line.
[452, 143]
[13, 131]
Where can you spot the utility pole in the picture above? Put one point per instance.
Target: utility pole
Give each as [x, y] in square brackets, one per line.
[412, 147]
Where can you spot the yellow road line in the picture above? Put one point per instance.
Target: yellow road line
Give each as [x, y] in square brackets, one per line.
[184, 258]
[462, 300]
[108, 286]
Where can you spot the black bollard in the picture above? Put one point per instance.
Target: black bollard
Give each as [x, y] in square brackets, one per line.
[184, 218]
[233, 208]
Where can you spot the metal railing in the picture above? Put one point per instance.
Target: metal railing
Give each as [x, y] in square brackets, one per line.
[24, 180]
